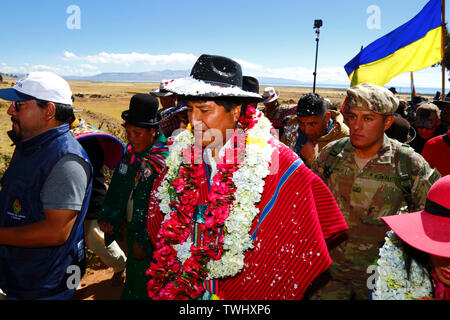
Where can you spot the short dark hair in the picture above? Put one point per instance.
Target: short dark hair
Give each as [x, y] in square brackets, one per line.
[312, 104]
[63, 112]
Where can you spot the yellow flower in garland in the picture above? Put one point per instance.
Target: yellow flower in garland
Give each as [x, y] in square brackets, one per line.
[254, 140]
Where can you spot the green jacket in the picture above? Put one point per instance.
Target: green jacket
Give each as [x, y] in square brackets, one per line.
[364, 196]
[135, 173]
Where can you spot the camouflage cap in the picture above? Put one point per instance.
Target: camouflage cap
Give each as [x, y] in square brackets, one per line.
[371, 97]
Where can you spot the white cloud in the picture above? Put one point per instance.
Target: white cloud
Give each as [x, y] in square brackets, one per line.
[68, 55]
[88, 66]
[127, 59]
[335, 75]
[248, 65]
[75, 65]
[63, 70]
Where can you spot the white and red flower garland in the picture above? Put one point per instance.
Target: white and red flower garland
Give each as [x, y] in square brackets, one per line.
[393, 282]
[179, 267]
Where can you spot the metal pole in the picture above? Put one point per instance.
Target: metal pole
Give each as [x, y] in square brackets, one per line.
[317, 52]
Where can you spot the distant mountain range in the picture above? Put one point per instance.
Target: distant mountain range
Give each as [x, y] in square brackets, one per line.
[157, 76]
[150, 76]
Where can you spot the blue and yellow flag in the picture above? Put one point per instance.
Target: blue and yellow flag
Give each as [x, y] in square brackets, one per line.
[415, 45]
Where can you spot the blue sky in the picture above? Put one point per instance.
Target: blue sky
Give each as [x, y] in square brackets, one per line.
[268, 38]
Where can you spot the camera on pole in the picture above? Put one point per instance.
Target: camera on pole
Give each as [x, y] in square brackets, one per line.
[317, 24]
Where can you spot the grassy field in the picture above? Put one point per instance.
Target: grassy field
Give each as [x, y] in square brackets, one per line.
[102, 103]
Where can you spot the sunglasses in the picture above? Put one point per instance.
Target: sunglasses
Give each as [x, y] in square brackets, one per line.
[18, 105]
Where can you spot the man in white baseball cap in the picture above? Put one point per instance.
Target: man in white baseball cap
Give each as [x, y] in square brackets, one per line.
[44, 195]
[39, 85]
[38, 88]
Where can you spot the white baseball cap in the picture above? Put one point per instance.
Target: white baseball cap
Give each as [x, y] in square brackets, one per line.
[161, 91]
[45, 86]
[270, 94]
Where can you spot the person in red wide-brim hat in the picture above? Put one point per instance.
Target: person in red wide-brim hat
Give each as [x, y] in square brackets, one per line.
[426, 238]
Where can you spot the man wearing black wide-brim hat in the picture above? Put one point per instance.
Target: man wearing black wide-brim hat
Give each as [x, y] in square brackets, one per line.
[235, 208]
[128, 194]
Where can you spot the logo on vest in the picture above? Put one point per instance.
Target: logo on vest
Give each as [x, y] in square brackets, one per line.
[16, 208]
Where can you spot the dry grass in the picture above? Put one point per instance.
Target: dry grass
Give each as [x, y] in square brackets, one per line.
[6, 149]
[107, 98]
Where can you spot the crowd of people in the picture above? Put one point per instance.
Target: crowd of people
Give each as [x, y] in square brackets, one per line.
[222, 192]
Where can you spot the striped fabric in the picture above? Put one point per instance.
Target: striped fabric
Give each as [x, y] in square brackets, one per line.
[268, 208]
[112, 147]
[155, 158]
[290, 244]
[169, 125]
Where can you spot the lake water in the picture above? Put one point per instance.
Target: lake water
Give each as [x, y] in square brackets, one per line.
[400, 90]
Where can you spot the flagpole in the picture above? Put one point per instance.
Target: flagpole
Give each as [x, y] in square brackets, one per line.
[444, 32]
[413, 89]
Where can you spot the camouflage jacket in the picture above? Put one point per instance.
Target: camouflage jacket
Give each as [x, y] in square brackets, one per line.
[368, 194]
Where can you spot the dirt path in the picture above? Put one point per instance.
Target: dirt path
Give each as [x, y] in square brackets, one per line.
[96, 283]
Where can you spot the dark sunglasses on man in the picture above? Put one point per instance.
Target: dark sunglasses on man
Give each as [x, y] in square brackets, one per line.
[18, 104]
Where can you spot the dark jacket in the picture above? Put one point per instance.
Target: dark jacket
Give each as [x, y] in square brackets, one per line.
[34, 273]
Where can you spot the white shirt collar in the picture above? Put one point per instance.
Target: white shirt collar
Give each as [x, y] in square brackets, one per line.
[209, 159]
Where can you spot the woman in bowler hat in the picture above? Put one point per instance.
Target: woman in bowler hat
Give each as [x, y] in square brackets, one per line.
[128, 194]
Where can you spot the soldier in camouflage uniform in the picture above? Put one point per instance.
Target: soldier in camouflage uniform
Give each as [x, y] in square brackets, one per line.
[371, 176]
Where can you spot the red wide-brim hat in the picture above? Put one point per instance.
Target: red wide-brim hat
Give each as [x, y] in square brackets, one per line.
[427, 230]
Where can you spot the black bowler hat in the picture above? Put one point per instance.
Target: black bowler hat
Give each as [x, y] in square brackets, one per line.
[143, 111]
[213, 77]
[250, 84]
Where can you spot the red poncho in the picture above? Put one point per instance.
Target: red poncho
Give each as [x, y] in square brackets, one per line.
[289, 249]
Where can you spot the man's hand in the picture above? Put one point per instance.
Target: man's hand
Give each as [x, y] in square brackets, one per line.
[310, 150]
[106, 227]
